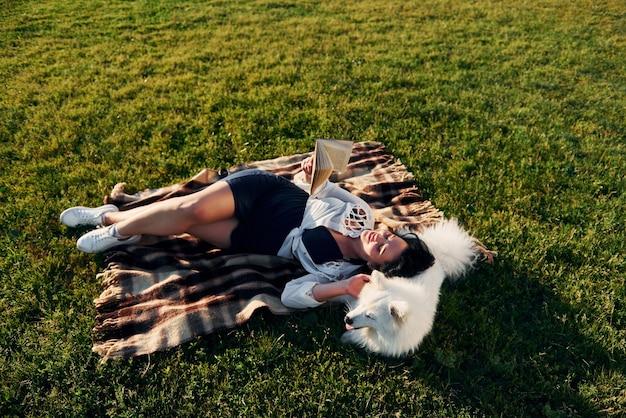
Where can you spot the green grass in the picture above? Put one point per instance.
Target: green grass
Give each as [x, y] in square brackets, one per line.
[511, 115]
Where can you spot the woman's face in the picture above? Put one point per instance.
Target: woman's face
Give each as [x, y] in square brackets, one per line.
[380, 246]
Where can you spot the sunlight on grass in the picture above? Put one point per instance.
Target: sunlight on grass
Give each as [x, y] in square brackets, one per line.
[510, 115]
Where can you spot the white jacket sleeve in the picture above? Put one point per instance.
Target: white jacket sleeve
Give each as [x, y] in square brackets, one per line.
[298, 292]
[299, 180]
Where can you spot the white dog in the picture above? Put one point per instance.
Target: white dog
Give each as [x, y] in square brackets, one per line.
[393, 315]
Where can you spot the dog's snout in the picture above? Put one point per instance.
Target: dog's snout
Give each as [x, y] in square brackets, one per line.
[347, 320]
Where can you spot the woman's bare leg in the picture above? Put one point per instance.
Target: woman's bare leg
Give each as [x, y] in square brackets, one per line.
[111, 218]
[180, 214]
[217, 233]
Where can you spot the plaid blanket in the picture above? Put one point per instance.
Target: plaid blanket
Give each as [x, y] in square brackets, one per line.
[169, 290]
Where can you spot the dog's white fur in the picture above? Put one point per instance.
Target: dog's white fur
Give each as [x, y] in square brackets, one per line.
[393, 315]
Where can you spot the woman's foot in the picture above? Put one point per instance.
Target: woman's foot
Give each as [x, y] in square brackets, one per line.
[80, 215]
[102, 239]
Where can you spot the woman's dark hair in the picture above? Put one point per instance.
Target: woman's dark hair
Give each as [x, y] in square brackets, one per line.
[412, 261]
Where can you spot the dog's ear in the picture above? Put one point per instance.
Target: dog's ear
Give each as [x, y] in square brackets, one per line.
[376, 278]
[399, 310]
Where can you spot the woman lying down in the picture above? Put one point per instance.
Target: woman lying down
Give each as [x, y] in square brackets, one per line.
[253, 211]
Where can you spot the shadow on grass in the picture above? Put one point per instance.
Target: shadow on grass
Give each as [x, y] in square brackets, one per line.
[507, 343]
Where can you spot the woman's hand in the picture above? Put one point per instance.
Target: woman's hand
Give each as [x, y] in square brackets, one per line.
[355, 284]
[307, 166]
[324, 291]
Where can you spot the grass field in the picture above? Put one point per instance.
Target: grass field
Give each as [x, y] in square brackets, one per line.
[511, 115]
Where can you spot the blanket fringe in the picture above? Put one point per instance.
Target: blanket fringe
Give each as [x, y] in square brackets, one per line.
[397, 168]
[487, 255]
[109, 277]
[117, 348]
[108, 322]
[107, 349]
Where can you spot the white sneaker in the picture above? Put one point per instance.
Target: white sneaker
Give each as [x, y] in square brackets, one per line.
[80, 215]
[101, 239]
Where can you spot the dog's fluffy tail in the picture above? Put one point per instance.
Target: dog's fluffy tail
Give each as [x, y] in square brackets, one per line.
[453, 248]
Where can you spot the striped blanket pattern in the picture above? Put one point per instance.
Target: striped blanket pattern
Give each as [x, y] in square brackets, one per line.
[166, 291]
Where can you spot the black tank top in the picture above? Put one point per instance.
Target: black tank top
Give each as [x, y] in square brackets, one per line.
[321, 245]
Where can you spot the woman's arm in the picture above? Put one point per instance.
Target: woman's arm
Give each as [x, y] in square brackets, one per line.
[351, 287]
[311, 291]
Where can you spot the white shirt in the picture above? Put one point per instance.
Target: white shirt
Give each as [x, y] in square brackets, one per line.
[336, 209]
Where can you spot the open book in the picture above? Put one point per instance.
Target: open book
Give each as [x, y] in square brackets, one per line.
[330, 155]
